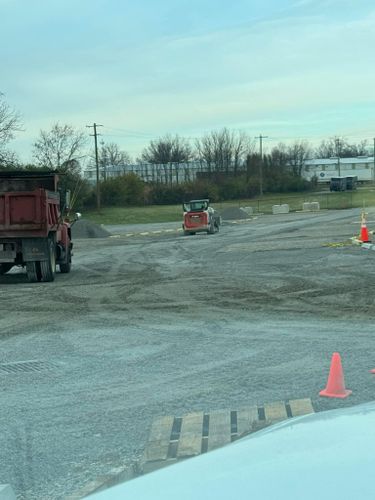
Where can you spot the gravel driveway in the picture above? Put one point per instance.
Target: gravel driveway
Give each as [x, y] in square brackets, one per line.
[163, 324]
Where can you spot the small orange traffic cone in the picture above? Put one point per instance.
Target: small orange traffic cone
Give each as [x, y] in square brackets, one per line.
[364, 236]
[335, 384]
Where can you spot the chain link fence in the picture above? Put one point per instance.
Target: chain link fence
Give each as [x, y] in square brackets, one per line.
[326, 200]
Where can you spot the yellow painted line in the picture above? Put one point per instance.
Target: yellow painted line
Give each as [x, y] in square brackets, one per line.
[337, 244]
[180, 229]
[145, 233]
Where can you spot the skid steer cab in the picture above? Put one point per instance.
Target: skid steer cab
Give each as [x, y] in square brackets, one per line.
[199, 217]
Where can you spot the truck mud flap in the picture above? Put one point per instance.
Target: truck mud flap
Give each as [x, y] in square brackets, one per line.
[35, 249]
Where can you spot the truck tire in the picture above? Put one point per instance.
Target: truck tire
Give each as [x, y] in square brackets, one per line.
[33, 271]
[48, 267]
[65, 268]
[4, 268]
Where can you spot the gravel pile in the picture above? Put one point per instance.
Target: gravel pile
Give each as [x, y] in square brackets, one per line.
[234, 213]
[86, 229]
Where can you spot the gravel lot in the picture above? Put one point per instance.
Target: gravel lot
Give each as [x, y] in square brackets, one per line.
[165, 324]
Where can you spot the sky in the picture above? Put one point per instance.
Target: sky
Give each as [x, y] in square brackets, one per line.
[289, 69]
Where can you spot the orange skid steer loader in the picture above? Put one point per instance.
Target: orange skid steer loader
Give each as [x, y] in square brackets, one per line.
[199, 217]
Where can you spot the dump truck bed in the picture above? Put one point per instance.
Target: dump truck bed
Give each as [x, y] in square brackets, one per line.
[28, 213]
[29, 204]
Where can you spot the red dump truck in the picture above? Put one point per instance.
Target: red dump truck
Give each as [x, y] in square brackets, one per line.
[34, 231]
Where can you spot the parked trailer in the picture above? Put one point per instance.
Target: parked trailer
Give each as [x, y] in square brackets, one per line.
[351, 182]
[337, 184]
[34, 230]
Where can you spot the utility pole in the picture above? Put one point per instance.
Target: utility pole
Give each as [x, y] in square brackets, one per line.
[337, 141]
[261, 137]
[95, 135]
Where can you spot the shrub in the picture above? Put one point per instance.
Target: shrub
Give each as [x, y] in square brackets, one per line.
[127, 189]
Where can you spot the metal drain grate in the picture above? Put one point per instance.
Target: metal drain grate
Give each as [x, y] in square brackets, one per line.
[32, 365]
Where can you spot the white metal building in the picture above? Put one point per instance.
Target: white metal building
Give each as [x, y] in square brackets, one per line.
[169, 173]
[172, 173]
[324, 169]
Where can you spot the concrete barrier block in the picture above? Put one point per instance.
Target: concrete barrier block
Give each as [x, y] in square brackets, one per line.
[248, 210]
[6, 492]
[280, 209]
[311, 206]
[315, 206]
[306, 206]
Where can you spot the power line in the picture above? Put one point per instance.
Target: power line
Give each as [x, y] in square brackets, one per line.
[135, 133]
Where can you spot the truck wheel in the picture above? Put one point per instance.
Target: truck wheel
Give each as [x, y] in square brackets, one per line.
[211, 229]
[33, 271]
[48, 267]
[65, 268]
[4, 268]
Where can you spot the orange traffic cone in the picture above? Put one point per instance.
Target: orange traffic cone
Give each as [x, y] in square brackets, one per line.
[335, 384]
[364, 236]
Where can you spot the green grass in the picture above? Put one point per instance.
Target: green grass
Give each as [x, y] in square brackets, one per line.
[135, 215]
[363, 197]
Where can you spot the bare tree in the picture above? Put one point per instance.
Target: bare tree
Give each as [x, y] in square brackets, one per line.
[326, 149]
[60, 148]
[279, 157]
[8, 160]
[224, 150]
[10, 122]
[297, 154]
[336, 146]
[110, 155]
[167, 149]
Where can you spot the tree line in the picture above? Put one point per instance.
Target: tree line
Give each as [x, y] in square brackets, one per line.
[233, 166]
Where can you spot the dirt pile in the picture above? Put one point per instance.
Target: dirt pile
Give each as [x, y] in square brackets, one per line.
[234, 213]
[86, 229]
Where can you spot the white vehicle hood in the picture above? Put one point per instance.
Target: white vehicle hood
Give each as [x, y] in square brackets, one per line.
[328, 455]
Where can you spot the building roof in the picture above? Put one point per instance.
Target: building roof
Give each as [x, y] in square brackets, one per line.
[333, 161]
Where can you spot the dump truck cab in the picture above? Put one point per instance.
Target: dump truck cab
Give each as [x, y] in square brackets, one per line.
[200, 217]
